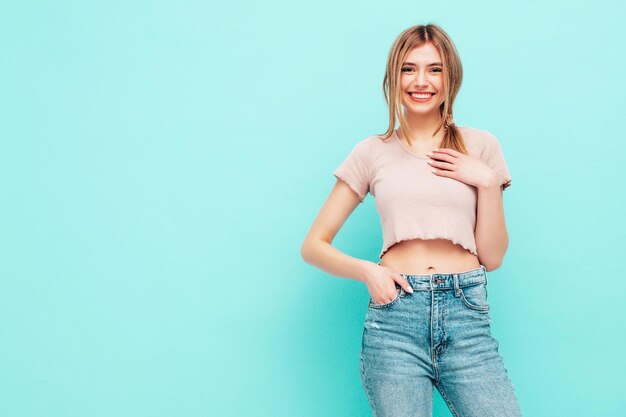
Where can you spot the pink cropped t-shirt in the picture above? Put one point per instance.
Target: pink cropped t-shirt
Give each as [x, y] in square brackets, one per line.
[412, 201]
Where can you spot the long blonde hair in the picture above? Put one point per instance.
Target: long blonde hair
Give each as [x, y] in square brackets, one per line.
[409, 39]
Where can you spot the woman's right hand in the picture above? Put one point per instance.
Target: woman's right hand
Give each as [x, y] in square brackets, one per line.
[381, 282]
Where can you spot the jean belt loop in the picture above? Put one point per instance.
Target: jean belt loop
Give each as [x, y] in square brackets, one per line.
[485, 274]
[457, 290]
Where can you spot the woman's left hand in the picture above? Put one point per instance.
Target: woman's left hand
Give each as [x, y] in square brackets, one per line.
[450, 163]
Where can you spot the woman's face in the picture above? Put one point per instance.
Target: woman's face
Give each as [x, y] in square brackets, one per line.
[422, 71]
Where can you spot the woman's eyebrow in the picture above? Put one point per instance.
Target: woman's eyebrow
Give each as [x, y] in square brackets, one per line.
[429, 65]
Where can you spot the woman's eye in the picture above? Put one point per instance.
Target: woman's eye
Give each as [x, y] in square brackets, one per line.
[437, 69]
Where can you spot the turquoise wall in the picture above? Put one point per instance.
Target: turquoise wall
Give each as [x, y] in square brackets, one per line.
[161, 162]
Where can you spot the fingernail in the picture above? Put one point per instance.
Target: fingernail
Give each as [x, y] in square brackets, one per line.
[410, 290]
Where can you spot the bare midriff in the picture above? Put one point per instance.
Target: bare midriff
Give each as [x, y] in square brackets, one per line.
[419, 256]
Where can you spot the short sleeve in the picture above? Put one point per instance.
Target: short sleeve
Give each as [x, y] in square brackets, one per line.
[492, 155]
[355, 170]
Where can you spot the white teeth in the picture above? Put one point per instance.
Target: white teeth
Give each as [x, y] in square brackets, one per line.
[428, 95]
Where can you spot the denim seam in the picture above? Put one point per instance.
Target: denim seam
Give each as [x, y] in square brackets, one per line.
[366, 385]
[472, 306]
[433, 354]
[443, 394]
[444, 340]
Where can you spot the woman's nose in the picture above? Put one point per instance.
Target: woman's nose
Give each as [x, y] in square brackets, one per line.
[420, 79]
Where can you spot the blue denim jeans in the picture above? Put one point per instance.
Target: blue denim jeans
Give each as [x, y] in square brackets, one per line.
[440, 336]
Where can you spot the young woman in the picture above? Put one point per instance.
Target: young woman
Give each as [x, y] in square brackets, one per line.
[438, 189]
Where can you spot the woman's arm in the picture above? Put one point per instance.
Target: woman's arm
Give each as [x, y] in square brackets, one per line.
[317, 248]
[492, 238]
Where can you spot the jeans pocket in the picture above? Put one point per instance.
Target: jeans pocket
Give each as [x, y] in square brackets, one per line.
[475, 297]
[399, 293]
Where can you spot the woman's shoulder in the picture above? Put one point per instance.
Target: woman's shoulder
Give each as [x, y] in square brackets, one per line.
[475, 132]
[379, 140]
[478, 139]
[372, 143]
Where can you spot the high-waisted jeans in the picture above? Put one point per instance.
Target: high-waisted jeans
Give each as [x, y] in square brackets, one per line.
[438, 335]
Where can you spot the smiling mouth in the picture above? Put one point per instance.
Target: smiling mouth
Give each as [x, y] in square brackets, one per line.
[420, 97]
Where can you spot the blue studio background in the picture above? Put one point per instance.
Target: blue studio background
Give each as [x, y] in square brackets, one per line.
[161, 163]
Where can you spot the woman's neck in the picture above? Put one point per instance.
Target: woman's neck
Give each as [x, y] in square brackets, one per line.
[421, 127]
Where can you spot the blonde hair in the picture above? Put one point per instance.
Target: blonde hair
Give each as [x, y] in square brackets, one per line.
[409, 39]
